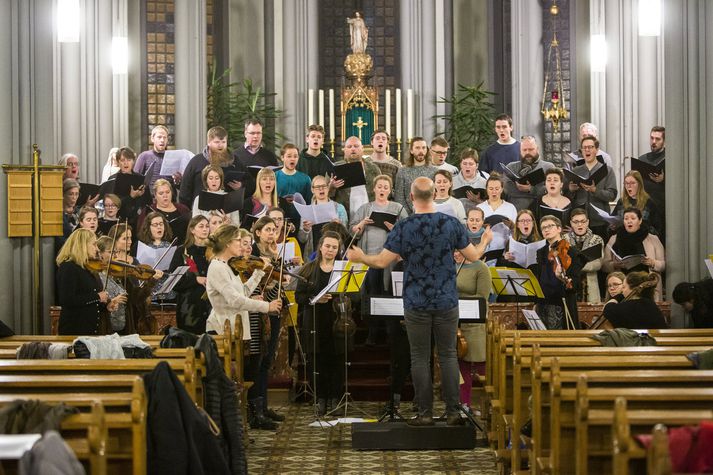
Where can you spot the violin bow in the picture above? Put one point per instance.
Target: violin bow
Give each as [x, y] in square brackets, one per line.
[111, 256]
[161, 258]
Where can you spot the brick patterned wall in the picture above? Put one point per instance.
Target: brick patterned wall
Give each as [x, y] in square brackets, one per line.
[555, 142]
[158, 84]
[382, 19]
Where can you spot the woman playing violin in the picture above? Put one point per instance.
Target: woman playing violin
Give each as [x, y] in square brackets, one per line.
[136, 313]
[229, 297]
[79, 291]
[191, 308]
[265, 232]
[558, 270]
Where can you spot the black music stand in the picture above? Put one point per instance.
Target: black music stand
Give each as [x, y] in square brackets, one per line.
[520, 283]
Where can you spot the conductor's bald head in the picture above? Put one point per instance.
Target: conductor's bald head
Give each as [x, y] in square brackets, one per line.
[422, 189]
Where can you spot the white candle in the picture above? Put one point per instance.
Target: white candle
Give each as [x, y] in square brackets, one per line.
[398, 114]
[310, 107]
[320, 107]
[331, 114]
[409, 113]
[387, 116]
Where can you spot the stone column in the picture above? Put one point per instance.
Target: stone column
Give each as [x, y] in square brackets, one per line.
[191, 75]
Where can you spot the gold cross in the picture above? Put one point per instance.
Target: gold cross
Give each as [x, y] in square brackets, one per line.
[359, 124]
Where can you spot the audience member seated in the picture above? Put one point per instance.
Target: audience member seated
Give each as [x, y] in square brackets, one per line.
[638, 309]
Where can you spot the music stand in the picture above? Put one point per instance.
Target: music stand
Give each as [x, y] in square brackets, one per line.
[347, 278]
[515, 282]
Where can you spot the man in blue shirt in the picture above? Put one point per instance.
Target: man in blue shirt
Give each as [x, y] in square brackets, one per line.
[505, 150]
[426, 241]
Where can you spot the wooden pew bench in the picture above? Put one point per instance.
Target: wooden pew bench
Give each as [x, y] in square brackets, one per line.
[123, 401]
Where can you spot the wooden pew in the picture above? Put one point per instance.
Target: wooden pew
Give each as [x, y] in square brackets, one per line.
[124, 410]
[658, 460]
[627, 422]
[597, 378]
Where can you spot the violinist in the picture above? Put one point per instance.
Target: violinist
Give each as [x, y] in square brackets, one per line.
[129, 279]
[229, 297]
[330, 359]
[79, 291]
[191, 308]
[638, 309]
[265, 246]
[557, 269]
[156, 234]
[283, 230]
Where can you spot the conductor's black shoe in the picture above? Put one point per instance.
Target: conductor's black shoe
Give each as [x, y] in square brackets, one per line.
[420, 421]
[270, 414]
[455, 420]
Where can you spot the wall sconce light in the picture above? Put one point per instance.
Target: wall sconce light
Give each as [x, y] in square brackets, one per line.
[598, 51]
[68, 21]
[649, 17]
[119, 54]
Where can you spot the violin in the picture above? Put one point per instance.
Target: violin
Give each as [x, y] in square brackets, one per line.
[558, 256]
[121, 269]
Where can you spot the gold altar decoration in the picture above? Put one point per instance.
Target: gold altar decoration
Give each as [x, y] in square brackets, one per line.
[553, 106]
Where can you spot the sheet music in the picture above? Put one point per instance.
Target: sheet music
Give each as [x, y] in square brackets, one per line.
[397, 283]
[627, 262]
[175, 161]
[317, 213]
[525, 255]
[501, 234]
[615, 220]
[172, 280]
[709, 264]
[533, 319]
[468, 309]
[289, 250]
[149, 256]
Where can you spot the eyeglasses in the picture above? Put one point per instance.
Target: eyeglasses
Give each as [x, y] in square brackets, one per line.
[588, 147]
[525, 221]
[156, 225]
[548, 227]
[110, 206]
[320, 187]
[580, 222]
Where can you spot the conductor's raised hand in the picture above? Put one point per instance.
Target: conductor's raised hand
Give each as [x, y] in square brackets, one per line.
[355, 254]
[487, 235]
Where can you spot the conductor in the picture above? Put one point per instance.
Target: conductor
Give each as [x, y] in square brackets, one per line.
[426, 241]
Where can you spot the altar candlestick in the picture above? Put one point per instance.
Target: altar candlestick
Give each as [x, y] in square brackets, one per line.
[310, 107]
[409, 113]
[331, 114]
[320, 107]
[398, 114]
[387, 116]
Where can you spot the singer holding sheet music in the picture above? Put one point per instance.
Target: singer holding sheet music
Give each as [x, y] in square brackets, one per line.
[522, 193]
[131, 198]
[426, 242]
[634, 239]
[597, 193]
[212, 177]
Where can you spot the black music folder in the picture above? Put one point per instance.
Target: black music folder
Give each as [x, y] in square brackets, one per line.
[86, 191]
[591, 178]
[645, 168]
[352, 174]
[124, 182]
[535, 177]
[228, 202]
[380, 218]
[462, 192]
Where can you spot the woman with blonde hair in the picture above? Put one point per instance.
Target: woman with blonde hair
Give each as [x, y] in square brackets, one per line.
[265, 195]
[634, 196]
[79, 291]
[176, 214]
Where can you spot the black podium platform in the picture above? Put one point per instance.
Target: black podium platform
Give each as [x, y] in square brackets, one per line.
[401, 436]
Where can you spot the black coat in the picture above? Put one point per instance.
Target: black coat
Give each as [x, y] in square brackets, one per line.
[635, 314]
[192, 309]
[78, 294]
[179, 439]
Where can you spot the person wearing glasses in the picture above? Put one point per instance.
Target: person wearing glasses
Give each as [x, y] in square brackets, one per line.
[439, 153]
[309, 233]
[522, 196]
[525, 232]
[597, 194]
[581, 237]
[557, 279]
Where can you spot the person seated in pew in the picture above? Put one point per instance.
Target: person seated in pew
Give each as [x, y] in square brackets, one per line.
[638, 309]
[696, 299]
[79, 290]
[615, 284]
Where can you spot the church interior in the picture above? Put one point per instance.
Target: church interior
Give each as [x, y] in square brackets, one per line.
[101, 93]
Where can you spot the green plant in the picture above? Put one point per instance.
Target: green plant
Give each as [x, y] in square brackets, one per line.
[470, 121]
[231, 103]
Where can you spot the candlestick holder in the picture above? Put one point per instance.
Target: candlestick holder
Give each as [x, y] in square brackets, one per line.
[331, 147]
[398, 149]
